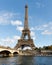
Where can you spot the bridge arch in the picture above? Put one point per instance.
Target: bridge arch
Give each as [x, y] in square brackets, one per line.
[5, 53]
[15, 53]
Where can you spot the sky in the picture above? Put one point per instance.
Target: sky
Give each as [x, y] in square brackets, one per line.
[12, 14]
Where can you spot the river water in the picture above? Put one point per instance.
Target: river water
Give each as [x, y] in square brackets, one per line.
[26, 60]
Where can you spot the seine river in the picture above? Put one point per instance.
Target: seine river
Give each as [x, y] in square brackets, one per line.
[26, 60]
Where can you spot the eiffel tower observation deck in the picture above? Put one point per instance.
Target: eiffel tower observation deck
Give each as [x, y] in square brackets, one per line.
[25, 38]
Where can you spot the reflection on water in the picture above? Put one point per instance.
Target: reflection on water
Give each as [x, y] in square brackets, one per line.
[26, 60]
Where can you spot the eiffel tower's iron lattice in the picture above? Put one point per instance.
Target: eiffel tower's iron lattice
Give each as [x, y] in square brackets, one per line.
[25, 33]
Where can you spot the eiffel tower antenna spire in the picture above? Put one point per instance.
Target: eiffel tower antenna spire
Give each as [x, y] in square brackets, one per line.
[26, 17]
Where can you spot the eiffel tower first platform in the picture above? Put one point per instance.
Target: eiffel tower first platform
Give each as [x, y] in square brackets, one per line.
[25, 38]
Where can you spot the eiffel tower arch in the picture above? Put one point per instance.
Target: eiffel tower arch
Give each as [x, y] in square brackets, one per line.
[25, 38]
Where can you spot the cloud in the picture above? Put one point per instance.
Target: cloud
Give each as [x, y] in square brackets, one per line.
[45, 28]
[48, 29]
[16, 22]
[6, 17]
[20, 28]
[11, 18]
[47, 32]
[18, 25]
[42, 27]
[45, 25]
[32, 28]
[33, 35]
[11, 42]
[51, 28]
[6, 42]
[16, 37]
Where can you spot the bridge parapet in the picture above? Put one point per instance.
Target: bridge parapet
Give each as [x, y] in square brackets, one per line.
[8, 49]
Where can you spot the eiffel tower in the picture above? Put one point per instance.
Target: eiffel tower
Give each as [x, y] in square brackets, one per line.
[25, 38]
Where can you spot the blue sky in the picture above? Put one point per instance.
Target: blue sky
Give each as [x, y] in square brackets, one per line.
[12, 14]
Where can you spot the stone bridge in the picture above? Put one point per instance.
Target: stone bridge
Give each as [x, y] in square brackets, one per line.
[6, 51]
